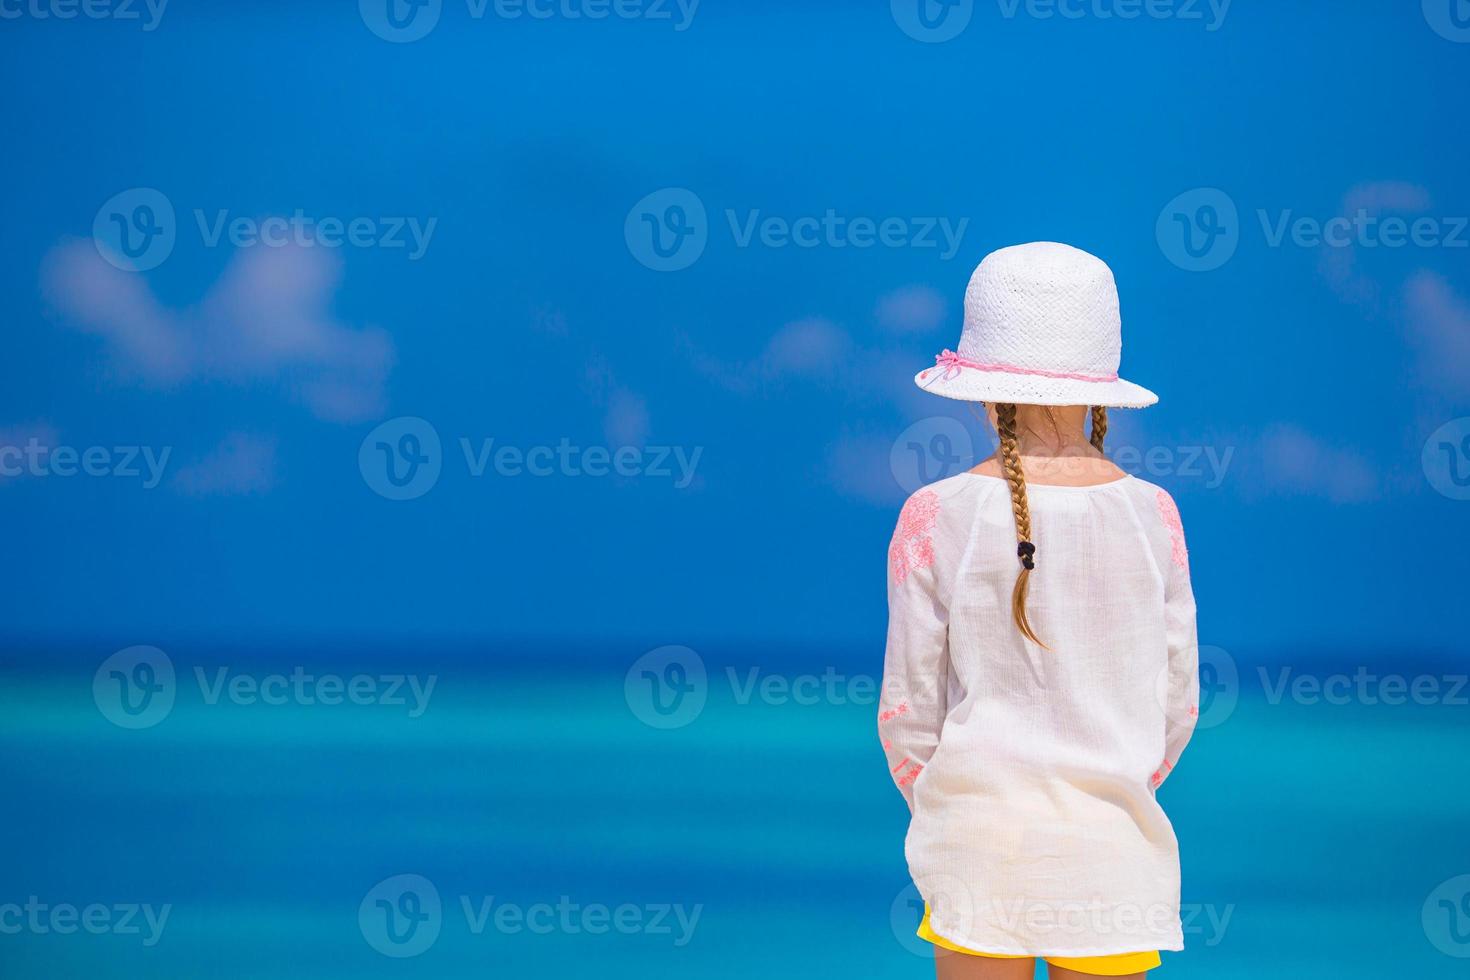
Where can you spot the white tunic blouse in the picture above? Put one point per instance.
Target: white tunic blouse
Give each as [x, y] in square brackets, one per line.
[1031, 773]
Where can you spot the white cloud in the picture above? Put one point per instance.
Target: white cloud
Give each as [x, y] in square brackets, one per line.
[912, 309]
[1439, 328]
[813, 347]
[266, 320]
[244, 463]
[1339, 266]
[626, 421]
[1385, 195]
[1295, 461]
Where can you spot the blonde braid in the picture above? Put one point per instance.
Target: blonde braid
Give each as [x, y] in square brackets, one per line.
[1099, 426]
[1010, 457]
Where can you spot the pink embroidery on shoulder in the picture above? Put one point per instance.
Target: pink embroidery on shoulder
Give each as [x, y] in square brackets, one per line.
[1169, 514]
[912, 548]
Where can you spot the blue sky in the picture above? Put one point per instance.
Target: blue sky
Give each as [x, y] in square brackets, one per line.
[525, 310]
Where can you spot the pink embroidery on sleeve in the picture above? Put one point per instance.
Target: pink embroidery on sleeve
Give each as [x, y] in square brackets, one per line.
[892, 713]
[1158, 777]
[906, 778]
[1194, 711]
[912, 548]
[1169, 514]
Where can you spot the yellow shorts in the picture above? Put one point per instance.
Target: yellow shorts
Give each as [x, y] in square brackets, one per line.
[1119, 965]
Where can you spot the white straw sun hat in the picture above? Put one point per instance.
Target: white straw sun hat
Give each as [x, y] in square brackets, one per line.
[1041, 328]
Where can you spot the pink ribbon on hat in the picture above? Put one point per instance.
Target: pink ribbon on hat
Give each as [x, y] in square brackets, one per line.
[954, 363]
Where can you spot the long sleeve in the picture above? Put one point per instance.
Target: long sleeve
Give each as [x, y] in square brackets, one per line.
[911, 707]
[1181, 694]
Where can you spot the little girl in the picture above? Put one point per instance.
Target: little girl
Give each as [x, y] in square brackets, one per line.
[1041, 672]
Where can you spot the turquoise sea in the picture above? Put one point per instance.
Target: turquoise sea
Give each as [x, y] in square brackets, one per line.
[564, 834]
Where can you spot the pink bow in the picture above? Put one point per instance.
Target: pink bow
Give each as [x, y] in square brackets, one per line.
[952, 363]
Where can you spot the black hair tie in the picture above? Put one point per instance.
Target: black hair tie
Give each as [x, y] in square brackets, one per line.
[1026, 551]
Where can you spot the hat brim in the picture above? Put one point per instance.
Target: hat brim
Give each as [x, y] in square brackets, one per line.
[970, 385]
